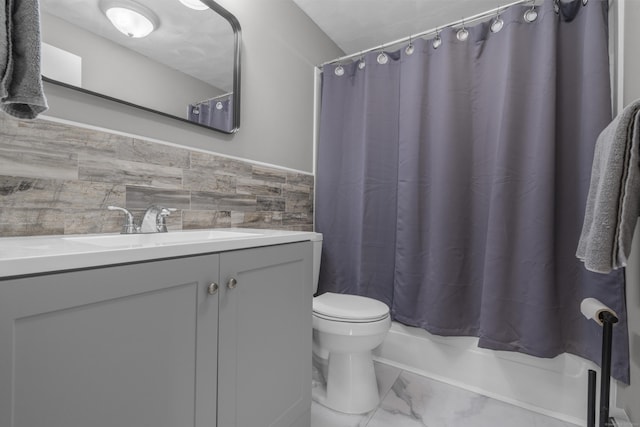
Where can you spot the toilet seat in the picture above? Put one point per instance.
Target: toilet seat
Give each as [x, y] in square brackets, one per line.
[349, 308]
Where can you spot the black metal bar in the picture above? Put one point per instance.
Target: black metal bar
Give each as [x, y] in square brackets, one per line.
[608, 320]
[591, 399]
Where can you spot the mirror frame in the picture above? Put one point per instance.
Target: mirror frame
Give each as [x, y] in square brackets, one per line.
[237, 41]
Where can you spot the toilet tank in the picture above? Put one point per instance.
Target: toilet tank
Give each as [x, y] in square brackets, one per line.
[317, 253]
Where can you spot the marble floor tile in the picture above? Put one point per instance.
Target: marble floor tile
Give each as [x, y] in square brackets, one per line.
[419, 401]
[409, 400]
[325, 417]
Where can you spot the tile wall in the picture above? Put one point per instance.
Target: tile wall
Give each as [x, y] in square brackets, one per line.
[58, 179]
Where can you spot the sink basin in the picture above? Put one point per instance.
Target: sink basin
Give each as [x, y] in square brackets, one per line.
[158, 239]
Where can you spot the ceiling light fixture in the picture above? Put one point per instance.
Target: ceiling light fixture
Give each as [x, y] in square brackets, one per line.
[130, 18]
[194, 4]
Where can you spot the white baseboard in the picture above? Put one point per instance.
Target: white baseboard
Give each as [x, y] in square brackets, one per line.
[556, 387]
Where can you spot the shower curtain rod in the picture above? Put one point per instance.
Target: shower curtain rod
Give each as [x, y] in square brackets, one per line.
[435, 30]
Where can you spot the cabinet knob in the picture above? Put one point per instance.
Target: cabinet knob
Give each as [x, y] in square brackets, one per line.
[232, 283]
[212, 289]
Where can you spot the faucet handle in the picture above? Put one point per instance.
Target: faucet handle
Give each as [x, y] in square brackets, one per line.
[129, 226]
[166, 211]
[161, 219]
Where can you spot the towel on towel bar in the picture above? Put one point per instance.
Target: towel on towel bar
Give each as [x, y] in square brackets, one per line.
[21, 93]
[613, 202]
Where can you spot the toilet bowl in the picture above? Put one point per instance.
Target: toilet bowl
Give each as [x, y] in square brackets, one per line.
[345, 330]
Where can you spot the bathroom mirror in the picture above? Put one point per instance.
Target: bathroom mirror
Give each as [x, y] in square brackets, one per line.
[187, 67]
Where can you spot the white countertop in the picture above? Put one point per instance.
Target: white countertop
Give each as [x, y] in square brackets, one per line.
[32, 255]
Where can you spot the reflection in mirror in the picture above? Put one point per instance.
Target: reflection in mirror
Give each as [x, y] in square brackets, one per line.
[179, 58]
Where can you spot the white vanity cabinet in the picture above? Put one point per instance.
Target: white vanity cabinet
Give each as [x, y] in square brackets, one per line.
[155, 344]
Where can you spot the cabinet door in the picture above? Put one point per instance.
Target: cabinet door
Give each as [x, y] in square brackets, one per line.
[110, 347]
[265, 337]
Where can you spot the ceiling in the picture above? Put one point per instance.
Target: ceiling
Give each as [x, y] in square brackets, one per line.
[357, 25]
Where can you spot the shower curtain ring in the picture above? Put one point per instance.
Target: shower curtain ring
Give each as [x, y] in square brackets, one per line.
[382, 56]
[409, 49]
[463, 33]
[437, 41]
[361, 63]
[339, 71]
[497, 23]
[531, 14]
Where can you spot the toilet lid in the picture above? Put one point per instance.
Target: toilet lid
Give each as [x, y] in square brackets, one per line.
[349, 307]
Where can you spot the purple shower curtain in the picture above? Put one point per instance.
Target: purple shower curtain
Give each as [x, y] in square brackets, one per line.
[452, 182]
[216, 113]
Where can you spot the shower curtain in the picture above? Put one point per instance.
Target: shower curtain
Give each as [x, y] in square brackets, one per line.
[452, 182]
[216, 112]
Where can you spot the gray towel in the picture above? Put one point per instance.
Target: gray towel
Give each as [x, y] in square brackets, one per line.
[613, 203]
[21, 93]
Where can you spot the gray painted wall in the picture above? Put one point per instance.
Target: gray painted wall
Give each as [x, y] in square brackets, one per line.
[281, 46]
[629, 397]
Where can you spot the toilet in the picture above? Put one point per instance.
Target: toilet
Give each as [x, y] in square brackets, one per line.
[345, 330]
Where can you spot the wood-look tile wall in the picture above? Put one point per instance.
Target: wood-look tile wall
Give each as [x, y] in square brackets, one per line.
[59, 179]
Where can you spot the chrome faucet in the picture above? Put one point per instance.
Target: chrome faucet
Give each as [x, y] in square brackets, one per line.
[152, 222]
[154, 219]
